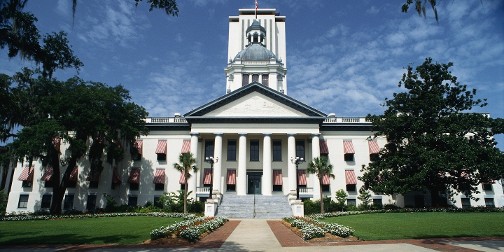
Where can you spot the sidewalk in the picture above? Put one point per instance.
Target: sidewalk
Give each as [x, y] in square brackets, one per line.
[272, 235]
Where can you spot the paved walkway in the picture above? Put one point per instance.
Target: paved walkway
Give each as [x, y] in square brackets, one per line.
[262, 235]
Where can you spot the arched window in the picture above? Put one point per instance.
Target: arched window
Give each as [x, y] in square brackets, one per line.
[265, 79]
[245, 79]
[255, 78]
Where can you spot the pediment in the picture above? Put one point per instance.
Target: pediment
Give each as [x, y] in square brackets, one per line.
[255, 105]
[254, 101]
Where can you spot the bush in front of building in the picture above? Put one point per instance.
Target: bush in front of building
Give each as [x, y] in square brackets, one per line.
[3, 202]
[313, 206]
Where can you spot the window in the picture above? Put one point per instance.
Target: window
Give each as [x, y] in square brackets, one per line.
[132, 201]
[466, 203]
[255, 77]
[351, 202]
[209, 148]
[254, 150]
[265, 79]
[277, 188]
[326, 188]
[231, 150]
[161, 157]
[27, 183]
[377, 203]
[489, 202]
[487, 187]
[277, 150]
[134, 186]
[136, 150]
[300, 149]
[46, 201]
[93, 184]
[161, 150]
[231, 188]
[158, 187]
[91, 202]
[349, 157]
[23, 201]
[373, 157]
[351, 188]
[49, 183]
[68, 202]
[245, 79]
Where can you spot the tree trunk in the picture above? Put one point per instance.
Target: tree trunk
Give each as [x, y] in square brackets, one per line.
[185, 194]
[321, 199]
[60, 188]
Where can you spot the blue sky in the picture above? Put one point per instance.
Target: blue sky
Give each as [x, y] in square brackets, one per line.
[343, 57]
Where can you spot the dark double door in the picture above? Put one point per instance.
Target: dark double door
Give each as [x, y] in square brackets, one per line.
[254, 182]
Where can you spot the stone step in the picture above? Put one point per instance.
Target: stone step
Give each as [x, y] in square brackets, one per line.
[266, 207]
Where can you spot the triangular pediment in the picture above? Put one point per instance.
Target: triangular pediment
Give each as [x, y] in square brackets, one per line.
[255, 101]
[255, 105]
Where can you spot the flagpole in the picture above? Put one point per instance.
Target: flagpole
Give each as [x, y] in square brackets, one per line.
[256, 7]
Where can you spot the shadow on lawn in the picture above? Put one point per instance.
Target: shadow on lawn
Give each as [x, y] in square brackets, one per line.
[34, 238]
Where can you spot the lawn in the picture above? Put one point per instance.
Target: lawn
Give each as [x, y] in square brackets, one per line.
[103, 230]
[384, 226]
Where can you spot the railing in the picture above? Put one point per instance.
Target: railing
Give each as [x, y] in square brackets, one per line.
[176, 119]
[306, 192]
[202, 191]
[346, 120]
[254, 207]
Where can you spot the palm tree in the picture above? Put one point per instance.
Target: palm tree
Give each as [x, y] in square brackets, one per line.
[186, 163]
[321, 167]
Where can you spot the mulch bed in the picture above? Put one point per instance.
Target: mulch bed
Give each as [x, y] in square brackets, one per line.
[291, 237]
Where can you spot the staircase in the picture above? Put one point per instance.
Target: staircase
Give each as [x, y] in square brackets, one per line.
[242, 207]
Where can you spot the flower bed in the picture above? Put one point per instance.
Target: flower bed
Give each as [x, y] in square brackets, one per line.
[190, 230]
[311, 228]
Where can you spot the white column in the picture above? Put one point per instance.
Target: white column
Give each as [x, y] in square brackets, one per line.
[267, 177]
[315, 154]
[193, 181]
[291, 153]
[217, 167]
[241, 180]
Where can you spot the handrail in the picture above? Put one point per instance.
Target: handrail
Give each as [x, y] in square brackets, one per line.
[254, 207]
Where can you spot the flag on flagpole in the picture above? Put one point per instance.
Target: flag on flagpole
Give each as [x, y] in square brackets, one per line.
[256, 7]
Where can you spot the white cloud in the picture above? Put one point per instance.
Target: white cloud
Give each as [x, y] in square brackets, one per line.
[115, 23]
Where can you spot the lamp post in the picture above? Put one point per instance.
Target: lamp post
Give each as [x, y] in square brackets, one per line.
[297, 161]
[211, 161]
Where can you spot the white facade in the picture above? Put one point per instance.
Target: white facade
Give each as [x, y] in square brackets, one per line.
[253, 132]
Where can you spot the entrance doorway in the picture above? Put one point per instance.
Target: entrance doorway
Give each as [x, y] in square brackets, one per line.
[254, 182]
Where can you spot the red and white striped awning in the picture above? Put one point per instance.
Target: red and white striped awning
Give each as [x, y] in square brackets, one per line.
[161, 147]
[373, 147]
[326, 180]
[47, 174]
[277, 177]
[348, 147]
[74, 174]
[324, 150]
[182, 178]
[116, 179]
[207, 176]
[139, 146]
[231, 177]
[302, 177]
[159, 176]
[350, 177]
[134, 177]
[26, 174]
[186, 146]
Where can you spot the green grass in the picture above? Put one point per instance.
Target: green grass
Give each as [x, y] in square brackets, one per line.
[103, 230]
[384, 226]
